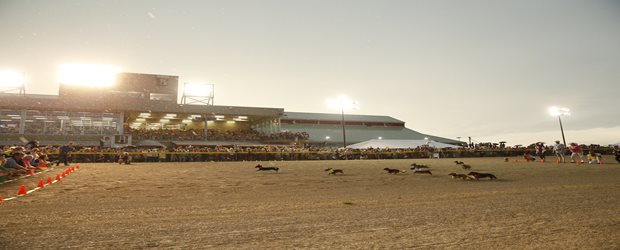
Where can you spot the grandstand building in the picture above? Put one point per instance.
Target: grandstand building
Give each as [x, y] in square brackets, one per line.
[327, 128]
[135, 111]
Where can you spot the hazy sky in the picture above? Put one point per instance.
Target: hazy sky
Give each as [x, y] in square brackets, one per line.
[486, 69]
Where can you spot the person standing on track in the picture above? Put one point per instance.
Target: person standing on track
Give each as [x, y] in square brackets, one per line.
[559, 150]
[617, 153]
[576, 152]
[540, 150]
[64, 153]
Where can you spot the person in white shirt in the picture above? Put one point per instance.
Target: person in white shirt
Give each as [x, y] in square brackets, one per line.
[559, 150]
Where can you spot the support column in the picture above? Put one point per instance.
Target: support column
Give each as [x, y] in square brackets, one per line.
[22, 123]
[120, 125]
[206, 127]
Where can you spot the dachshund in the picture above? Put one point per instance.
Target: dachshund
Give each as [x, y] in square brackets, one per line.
[394, 171]
[261, 168]
[332, 171]
[476, 175]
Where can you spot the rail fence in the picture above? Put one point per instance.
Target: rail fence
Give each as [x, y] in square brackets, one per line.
[78, 157]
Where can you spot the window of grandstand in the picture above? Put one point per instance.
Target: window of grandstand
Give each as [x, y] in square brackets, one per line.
[161, 97]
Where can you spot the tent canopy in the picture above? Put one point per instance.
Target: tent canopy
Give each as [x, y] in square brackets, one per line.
[376, 143]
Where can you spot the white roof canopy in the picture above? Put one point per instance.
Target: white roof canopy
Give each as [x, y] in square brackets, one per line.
[376, 143]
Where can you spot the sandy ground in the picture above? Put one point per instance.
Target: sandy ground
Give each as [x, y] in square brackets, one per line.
[230, 205]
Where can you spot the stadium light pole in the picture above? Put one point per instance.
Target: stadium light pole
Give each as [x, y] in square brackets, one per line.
[12, 80]
[559, 112]
[343, 103]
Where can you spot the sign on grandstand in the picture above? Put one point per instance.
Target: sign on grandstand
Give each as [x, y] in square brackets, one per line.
[121, 140]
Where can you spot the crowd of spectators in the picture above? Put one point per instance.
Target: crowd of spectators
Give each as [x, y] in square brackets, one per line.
[214, 135]
[17, 161]
[40, 127]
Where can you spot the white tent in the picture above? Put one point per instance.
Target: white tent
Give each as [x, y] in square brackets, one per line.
[376, 143]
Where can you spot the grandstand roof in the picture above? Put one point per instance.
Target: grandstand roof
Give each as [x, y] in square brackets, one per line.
[338, 117]
[356, 134]
[376, 143]
[109, 104]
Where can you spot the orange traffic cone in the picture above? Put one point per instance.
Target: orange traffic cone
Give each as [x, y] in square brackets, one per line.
[1, 199]
[57, 177]
[63, 175]
[22, 190]
[527, 160]
[49, 180]
[40, 184]
[72, 169]
[31, 173]
[542, 161]
[77, 166]
[517, 161]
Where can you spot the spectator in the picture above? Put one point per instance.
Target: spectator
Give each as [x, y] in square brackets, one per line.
[540, 150]
[64, 154]
[27, 159]
[41, 162]
[13, 165]
[559, 150]
[576, 152]
[528, 157]
[594, 158]
[617, 153]
[124, 158]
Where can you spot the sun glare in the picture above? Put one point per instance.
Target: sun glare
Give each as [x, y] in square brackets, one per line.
[11, 79]
[559, 111]
[88, 75]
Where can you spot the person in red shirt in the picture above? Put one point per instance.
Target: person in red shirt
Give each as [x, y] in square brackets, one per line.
[576, 151]
[528, 157]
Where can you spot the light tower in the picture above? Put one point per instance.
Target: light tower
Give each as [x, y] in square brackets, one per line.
[559, 112]
[12, 81]
[197, 93]
[343, 103]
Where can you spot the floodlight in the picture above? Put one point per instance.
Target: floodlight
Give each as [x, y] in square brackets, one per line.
[11, 79]
[380, 138]
[343, 103]
[241, 118]
[198, 89]
[327, 137]
[88, 75]
[558, 111]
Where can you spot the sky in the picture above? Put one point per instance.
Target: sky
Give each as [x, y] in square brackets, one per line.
[485, 69]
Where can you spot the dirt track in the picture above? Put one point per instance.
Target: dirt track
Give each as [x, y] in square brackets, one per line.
[230, 205]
